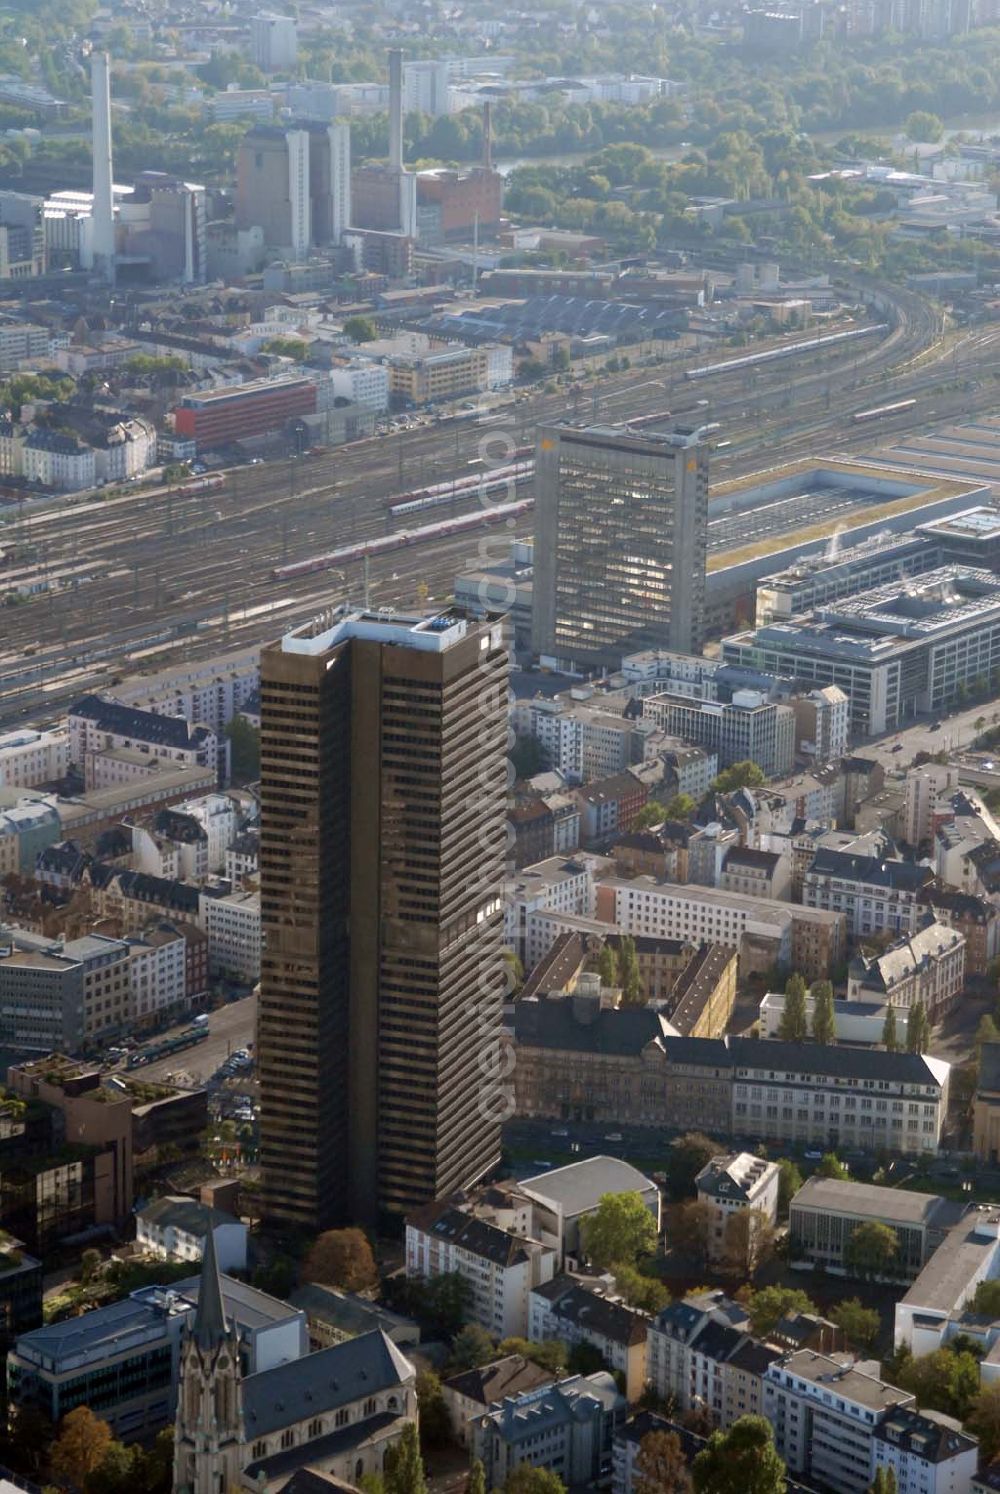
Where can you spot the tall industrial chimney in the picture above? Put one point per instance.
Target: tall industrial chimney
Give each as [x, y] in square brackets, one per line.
[395, 109]
[103, 224]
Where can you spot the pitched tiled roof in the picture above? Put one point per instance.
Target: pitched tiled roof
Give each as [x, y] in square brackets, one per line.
[322, 1382]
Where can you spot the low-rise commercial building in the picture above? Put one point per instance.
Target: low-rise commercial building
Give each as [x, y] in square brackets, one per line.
[825, 1212]
[748, 726]
[232, 924]
[896, 650]
[875, 893]
[123, 1361]
[219, 416]
[825, 1411]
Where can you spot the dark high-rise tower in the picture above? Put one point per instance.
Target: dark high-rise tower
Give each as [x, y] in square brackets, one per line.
[383, 794]
[621, 523]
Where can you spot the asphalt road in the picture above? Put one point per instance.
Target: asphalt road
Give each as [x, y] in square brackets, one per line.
[231, 1027]
[954, 732]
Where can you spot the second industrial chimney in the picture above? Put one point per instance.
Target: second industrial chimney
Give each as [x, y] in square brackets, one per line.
[103, 219]
[395, 110]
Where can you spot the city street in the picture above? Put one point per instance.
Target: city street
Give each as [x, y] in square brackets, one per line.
[231, 1027]
[954, 732]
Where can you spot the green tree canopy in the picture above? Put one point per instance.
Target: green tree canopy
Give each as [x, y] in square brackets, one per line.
[744, 774]
[860, 1324]
[794, 1027]
[984, 1421]
[890, 1041]
[873, 1250]
[687, 1155]
[824, 1022]
[918, 1029]
[923, 127]
[743, 1460]
[768, 1305]
[472, 1347]
[360, 329]
[524, 1479]
[403, 1471]
[789, 1183]
[831, 1167]
[551, 1354]
[620, 1231]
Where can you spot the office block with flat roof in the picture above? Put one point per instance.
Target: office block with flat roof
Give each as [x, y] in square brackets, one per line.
[383, 783]
[621, 525]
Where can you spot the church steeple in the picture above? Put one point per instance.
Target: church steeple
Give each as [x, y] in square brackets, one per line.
[209, 1429]
[209, 1328]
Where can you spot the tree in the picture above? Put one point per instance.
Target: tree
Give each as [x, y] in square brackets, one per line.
[444, 1302]
[360, 329]
[120, 1472]
[644, 1292]
[872, 1251]
[889, 1039]
[942, 1381]
[687, 1156]
[244, 749]
[692, 1226]
[769, 1305]
[918, 1029]
[90, 1264]
[649, 815]
[986, 1299]
[680, 807]
[621, 1230]
[860, 1324]
[745, 774]
[81, 1447]
[884, 1482]
[660, 1465]
[342, 1258]
[607, 964]
[628, 960]
[435, 1421]
[824, 1023]
[747, 1242]
[789, 1183]
[550, 1354]
[743, 1460]
[471, 1348]
[923, 127]
[794, 1027]
[831, 1167]
[524, 1479]
[403, 1470]
[985, 1421]
[477, 1479]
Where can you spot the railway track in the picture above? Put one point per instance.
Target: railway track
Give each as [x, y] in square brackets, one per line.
[191, 575]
